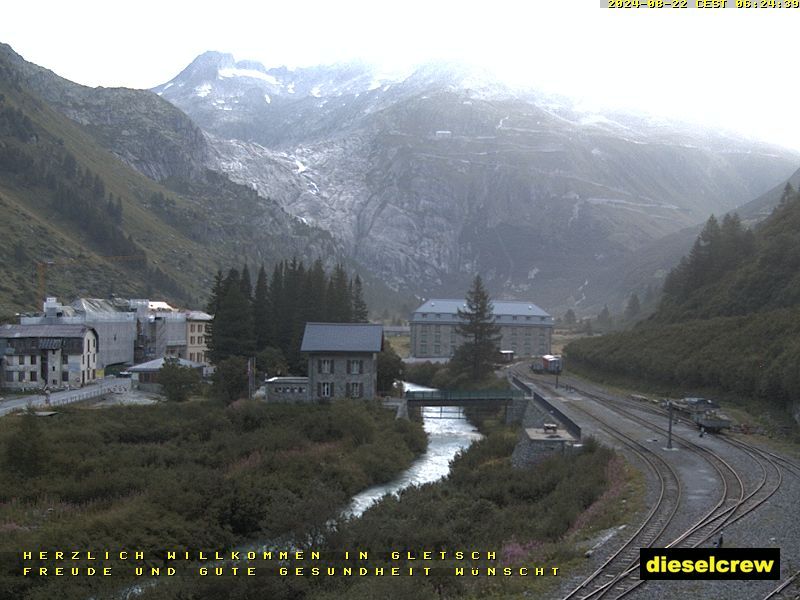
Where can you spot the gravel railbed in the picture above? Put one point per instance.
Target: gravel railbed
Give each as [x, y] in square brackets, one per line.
[776, 523]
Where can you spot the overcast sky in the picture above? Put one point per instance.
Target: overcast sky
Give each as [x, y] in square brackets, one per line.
[733, 68]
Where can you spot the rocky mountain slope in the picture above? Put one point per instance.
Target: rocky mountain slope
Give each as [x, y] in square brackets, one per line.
[430, 176]
[70, 195]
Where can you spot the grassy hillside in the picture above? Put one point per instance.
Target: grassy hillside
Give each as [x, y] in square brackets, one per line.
[729, 319]
[67, 200]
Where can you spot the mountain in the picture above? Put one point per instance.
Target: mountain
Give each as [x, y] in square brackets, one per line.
[90, 173]
[430, 176]
[729, 319]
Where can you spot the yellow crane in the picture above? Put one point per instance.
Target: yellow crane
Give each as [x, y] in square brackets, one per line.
[42, 266]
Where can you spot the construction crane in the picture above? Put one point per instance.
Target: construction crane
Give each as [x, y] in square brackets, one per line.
[42, 266]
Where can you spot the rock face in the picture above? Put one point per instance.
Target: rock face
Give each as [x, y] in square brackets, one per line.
[161, 142]
[143, 130]
[429, 177]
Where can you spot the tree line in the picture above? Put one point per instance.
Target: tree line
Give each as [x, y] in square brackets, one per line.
[729, 319]
[267, 320]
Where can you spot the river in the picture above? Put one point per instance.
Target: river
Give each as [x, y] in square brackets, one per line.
[446, 437]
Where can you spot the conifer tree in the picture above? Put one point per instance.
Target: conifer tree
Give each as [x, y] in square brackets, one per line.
[476, 356]
[360, 312]
[232, 330]
[633, 307]
[338, 297]
[245, 283]
[261, 323]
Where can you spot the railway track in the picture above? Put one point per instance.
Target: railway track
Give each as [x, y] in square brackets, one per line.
[735, 502]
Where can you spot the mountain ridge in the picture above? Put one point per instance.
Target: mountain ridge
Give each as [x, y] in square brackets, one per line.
[361, 158]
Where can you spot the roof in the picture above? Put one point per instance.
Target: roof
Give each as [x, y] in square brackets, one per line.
[198, 315]
[342, 337]
[159, 305]
[155, 365]
[89, 305]
[501, 307]
[43, 331]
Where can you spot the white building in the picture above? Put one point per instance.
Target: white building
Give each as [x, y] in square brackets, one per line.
[525, 329]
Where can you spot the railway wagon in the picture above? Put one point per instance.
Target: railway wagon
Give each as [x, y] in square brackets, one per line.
[711, 420]
[549, 363]
[701, 411]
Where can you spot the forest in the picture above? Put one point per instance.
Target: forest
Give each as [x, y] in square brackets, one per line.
[728, 320]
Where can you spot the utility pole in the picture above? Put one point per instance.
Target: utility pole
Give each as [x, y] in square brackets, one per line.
[669, 430]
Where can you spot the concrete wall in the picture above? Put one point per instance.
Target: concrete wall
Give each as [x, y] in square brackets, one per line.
[528, 452]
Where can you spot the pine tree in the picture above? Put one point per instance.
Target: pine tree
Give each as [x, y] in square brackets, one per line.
[604, 318]
[318, 283]
[261, 324]
[216, 293]
[633, 307]
[569, 317]
[339, 309]
[232, 330]
[477, 354]
[360, 312]
[245, 283]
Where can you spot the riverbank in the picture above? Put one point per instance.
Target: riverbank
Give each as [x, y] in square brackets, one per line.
[182, 477]
[520, 520]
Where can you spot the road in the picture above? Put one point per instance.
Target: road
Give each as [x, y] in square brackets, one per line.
[101, 387]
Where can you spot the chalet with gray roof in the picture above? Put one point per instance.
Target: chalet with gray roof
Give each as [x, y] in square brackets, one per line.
[525, 329]
[342, 359]
[53, 356]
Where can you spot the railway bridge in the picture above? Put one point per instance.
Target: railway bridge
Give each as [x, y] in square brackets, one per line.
[459, 399]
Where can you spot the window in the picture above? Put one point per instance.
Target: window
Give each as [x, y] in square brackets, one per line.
[191, 328]
[325, 389]
[64, 359]
[33, 376]
[514, 318]
[423, 348]
[33, 359]
[200, 340]
[424, 315]
[437, 349]
[325, 365]
[191, 340]
[64, 375]
[355, 367]
[355, 390]
[9, 375]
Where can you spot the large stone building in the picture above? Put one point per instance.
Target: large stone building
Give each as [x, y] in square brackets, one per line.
[38, 356]
[342, 359]
[525, 329]
[132, 330]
